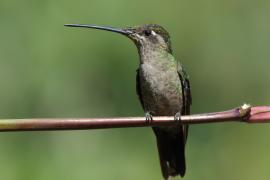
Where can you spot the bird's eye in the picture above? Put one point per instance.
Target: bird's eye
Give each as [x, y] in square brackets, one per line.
[147, 32]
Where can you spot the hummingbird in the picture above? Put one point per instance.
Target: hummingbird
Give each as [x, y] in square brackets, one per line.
[163, 89]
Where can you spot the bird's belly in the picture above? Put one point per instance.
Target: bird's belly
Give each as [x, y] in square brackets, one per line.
[162, 93]
[163, 106]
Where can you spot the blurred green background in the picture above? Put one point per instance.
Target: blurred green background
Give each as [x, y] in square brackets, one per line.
[48, 70]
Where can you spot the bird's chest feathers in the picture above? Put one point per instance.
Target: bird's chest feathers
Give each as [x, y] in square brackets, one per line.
[161, 87]
[161, 78]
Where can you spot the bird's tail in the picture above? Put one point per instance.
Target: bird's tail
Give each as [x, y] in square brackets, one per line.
[171, 148]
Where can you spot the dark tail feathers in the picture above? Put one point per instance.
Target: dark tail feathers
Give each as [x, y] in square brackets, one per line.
[171, 148]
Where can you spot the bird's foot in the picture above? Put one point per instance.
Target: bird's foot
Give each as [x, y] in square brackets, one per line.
[177, 117]
[148, 117]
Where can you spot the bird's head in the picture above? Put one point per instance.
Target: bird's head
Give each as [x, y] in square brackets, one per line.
[150, 36]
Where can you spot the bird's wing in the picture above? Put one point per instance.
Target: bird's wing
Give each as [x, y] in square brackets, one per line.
[187, 99]
[186, 90]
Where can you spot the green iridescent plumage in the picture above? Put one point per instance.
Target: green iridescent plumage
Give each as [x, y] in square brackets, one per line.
[163, 88]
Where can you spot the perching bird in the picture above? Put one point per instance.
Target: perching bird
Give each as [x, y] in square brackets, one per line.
[163, 88]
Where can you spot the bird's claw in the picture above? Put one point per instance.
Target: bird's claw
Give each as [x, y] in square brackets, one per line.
[177, 117]
[148, 117]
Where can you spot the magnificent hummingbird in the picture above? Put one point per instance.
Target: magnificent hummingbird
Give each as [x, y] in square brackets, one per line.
[163, 88]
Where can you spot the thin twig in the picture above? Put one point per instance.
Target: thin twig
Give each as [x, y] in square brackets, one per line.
[245, 113]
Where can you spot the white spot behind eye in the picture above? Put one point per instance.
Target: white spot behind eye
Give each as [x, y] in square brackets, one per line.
[153, 32]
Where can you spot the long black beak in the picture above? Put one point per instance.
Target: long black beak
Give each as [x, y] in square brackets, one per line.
[106, 28]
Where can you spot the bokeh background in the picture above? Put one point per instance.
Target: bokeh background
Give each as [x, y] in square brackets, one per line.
[48, 70]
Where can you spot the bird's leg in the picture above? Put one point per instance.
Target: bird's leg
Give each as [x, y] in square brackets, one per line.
[149, 117]
[177, 116]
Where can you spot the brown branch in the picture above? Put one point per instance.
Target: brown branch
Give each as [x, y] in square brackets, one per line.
[245, 113]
